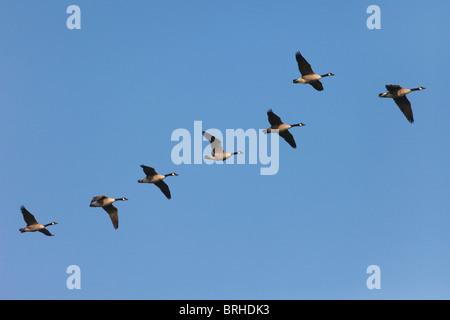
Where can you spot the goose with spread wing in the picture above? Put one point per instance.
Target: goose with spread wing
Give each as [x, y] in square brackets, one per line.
[32, 224]
[151, 176]
[399, 95]
[107, 204]
[217, 154]
[276, 125]
[308, 75]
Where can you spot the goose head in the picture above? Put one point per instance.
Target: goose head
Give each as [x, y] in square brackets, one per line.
[50, 224]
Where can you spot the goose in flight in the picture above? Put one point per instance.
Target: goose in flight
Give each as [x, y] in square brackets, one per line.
[308, 75]
[107, 204]
[218, 154]
[151, 176]
[32, 224]
[399, 95]
[283, 129]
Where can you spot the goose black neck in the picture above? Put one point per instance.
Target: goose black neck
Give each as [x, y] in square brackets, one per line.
[325, 75]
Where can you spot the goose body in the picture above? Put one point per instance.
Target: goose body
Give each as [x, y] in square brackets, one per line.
[106, 203]
[398, 93]
[32, 224]
[218, 154]
[151, 176]
[308, 75]
[281, 128]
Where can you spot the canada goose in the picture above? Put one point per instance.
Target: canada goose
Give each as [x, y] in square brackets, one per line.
[399, 95]
[218, 153]
[277, 124]
[32, 224]
[106, 203]
[157, 179]
[308, 75]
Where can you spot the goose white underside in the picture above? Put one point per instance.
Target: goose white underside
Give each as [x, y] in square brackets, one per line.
[221, 156]
[33, 228]
[308, 78]
[277, 129]
[152, 179]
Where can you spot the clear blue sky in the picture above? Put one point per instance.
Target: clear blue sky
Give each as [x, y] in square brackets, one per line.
[82, 109]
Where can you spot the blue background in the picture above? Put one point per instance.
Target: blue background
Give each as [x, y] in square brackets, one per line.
[82, 109]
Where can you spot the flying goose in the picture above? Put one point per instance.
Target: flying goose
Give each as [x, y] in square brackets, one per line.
[157, 179]
[106, 203]
[32, 224]
[218, 153]
[399, 95]
[308, 75]
[277, 124]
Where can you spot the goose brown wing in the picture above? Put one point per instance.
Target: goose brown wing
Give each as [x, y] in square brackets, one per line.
[303, 65]
[97, 198]
[113, 214]
[164, 188]
[289, 138]
[46, 232]
[27, 216]
[316, 85]
[149, 171]
[273, 118]
[393, 88]
[405, 106]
